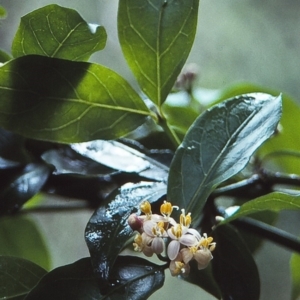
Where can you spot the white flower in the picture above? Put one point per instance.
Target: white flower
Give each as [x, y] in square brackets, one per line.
[200, 252]
[178, 267]
[181, 235]
[156, 233]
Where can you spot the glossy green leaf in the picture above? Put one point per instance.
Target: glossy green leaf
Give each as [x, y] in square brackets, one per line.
[17, 277]
[64, 101]
[233, 266]
[295, 275]
[20, 184]
[285, 139]
[131, 278]
[218, 145]
[276, 201]
[156, 38]
[109, 223]
[121, 157]
[12, 150]
[60, 32]
[20, 237]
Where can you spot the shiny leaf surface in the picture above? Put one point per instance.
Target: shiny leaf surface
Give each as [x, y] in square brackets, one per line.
[276, 202]
[17, 277]
[60, 32]
[157, 56]
[131, 278]
[12, 150]
[21, 184]
[107, 231]
[285, 138]
[64, 101]
[123, 158]
[218, 145]
[233, 266]
[20, 237]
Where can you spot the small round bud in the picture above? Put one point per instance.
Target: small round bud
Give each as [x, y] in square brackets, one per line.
[134, 222]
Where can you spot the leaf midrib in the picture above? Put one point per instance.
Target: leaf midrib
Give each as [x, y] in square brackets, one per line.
[203, 183]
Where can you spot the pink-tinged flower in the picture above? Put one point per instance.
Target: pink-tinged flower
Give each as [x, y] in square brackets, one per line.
[135, 223]
[156, 233]
[141, 244]
[200, 252]
[178, 267]
[181, 235]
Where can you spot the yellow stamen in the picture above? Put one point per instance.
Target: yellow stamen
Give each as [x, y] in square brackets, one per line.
[206, 242]
[177, 230]
[146, 208]
[185, 220]
[138, 243]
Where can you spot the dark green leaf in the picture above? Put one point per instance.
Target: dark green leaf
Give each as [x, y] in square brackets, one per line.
[20, 184]
[55, 31]
[4, 57]
[285, 138]
[156, 38]
[121, 157]
[63, 101]
[254, 241]
[20, 237]
[276, 201]
[295, 274]
[66, 161]
[234, 268]
[17, 277]
[131, 278]
[107, 231]
[204, 279]
[218, 145]
[12, 150]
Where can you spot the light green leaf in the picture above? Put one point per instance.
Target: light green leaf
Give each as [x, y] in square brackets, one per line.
[156, 38]
[295, 274]
[218, 145]
[20, 237]
[2, 12]
[59, 32]
[17, 277]
[276, 201]
[64, 101]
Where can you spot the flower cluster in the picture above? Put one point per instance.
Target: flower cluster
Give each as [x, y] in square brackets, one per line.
[184, 243]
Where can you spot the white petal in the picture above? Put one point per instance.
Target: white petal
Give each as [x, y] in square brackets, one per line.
[195, 233]
[147, 226]
[171, 235]
[187, 255]
[157, 245]
[188, 240]
[173, 249]
[203, 257]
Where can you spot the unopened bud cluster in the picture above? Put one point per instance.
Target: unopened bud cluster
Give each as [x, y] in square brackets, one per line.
[184, 243]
